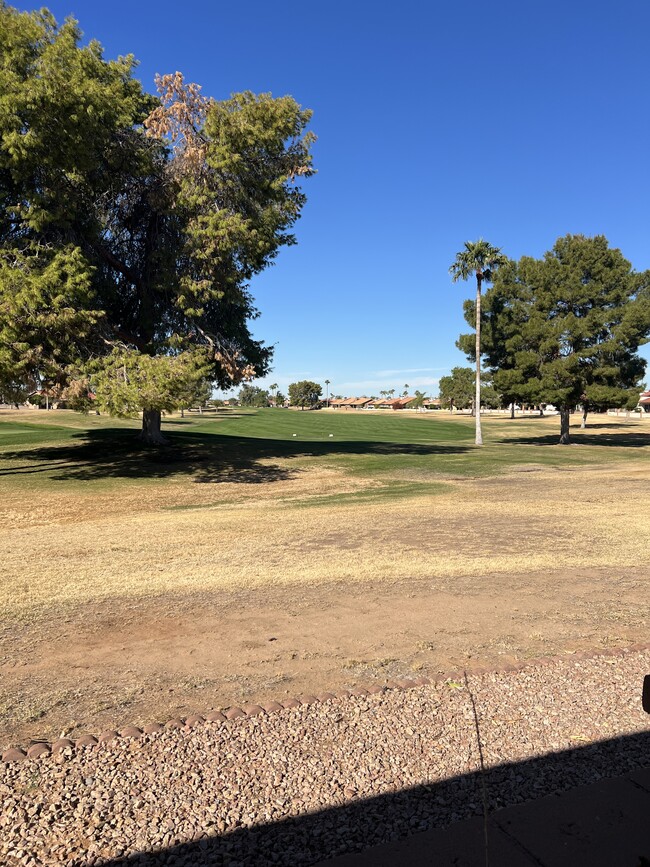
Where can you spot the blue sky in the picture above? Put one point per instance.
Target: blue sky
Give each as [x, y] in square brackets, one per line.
[437, 123]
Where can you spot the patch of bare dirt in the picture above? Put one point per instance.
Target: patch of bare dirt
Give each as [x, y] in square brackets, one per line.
[137, 660]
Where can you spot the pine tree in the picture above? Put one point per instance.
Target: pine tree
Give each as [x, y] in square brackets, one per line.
[565, 329]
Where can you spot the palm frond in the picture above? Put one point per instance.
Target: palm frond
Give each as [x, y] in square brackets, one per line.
[478, 256]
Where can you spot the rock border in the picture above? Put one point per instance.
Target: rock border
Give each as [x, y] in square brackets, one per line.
[37, 749]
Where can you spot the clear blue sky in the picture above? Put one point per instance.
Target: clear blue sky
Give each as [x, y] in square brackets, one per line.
[437, 123]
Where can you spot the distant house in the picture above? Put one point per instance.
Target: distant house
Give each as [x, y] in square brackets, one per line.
[644, 400]
[390, 403]
[351, 403]
[410, 403]
[394, 403]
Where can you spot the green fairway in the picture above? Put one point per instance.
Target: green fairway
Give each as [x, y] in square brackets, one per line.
[402, 455]
[345, 426]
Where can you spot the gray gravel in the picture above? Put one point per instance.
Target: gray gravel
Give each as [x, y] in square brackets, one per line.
[260, 790]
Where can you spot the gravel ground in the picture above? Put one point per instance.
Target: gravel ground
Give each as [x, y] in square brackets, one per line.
[302, 784]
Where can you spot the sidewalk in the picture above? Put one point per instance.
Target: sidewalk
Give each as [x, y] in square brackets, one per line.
[605, 824]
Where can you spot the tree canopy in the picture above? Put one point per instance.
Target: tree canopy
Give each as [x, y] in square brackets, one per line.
[565, 329]
[131, 225]
[253, 395]
[457, 391]
[305, 394]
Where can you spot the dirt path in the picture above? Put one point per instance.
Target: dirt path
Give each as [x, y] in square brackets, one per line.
[138, 660]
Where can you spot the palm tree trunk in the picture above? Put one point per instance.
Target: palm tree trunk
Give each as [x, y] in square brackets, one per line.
[477, 400]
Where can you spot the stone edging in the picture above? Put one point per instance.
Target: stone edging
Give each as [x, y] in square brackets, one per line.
[42, 748]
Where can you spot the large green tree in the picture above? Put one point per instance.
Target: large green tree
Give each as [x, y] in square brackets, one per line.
[131, 225]
[565, 329]
[305, 394]
[457, 391]
[253, 395]
[479, 259]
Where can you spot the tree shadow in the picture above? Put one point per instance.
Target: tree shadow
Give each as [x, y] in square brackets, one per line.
[356, 826]
[537, 417]
[507, 418]
[207, 457]
[578, 438]
[597, 424]
[192, 418]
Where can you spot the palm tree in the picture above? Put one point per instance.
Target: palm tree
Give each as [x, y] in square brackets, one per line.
[481, 259]
[273, 389]
[327, 393]
[406, 390]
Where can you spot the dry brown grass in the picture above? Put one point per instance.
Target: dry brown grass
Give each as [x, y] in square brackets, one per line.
[130, 596]
[144, 498]
[71, 549]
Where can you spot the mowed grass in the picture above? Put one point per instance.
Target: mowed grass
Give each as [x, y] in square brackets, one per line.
[247, 499]
[67, 447]
[385, 443]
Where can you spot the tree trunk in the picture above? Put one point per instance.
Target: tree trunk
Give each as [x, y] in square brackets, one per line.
[541, 411]
[583, 423]
[565, 439]
[151, 434]
[512, 409]
[477, 400]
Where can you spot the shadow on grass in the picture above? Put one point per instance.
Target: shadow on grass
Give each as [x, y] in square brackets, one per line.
[598, 824]
[114, 453]
[193, 418]
[523, 419]
[625, 425]
[580, 438]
